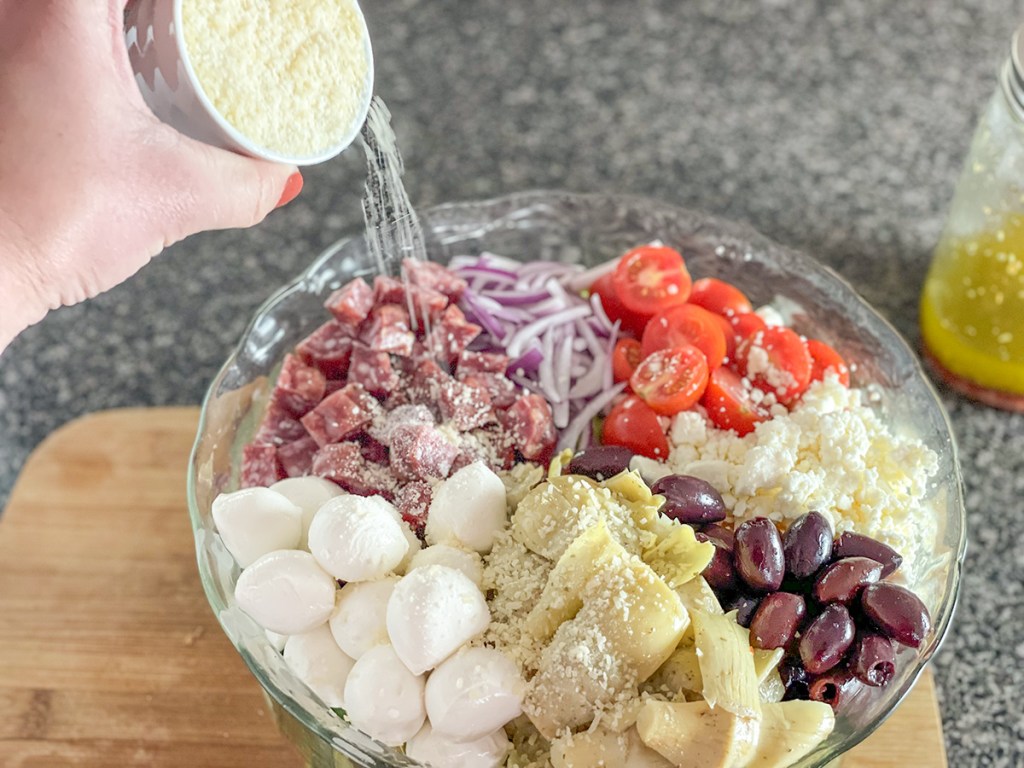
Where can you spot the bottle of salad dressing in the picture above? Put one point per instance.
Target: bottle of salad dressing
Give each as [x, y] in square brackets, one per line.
[972, 305]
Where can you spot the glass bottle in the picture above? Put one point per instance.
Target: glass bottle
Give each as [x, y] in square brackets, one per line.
[972, 305]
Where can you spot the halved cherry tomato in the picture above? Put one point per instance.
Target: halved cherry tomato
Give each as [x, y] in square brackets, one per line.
[824, 359]
[729, 335]
[632, 322]
[719, 297]
[745, 325]
[625, 358]
[671, 380]
[730, 403]
[635, 426]
[776, 360]
[686, 324]
[651, 278]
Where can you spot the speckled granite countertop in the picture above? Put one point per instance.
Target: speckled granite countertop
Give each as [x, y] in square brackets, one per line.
[837, 128]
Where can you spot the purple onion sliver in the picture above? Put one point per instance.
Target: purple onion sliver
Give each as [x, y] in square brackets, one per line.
[570, 435]
[581, 281]
[528, 362]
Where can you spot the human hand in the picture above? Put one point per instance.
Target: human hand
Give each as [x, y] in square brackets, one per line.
[94, 185]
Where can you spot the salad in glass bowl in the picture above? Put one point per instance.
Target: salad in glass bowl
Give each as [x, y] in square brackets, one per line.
[603, 481]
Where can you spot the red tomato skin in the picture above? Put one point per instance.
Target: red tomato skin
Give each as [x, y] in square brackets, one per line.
[787, 353]
[630, 321]
[687, 324]
[746, 325]
[671, 380]
[729, 404]
[719, 297]
[633, 425]
[625, 358]
[651, 278]
[730, 338]
[824, 358]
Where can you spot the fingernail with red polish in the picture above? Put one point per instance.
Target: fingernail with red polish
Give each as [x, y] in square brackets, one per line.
[292, 188]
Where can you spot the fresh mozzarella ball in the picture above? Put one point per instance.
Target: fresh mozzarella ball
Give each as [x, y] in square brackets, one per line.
[254, 521]
[431, 748]
[277, 641]
[358, 538]
[359, 623]
[473, 693]
[415, 545]
[286, 592]
[459, 559]
[308, 494]
[317, 661]
[468, 508]
[383, 698]
[432, 612]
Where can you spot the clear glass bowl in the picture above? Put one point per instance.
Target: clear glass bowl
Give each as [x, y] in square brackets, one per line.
[589, 229]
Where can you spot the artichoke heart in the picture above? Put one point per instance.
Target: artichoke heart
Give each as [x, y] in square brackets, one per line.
[679, 557]
[553, 514]
[692, 734]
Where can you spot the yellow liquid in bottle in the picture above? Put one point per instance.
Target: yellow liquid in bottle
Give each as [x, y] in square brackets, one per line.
[972, 307]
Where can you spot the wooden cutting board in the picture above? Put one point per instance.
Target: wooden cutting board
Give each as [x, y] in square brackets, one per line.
[109, 653]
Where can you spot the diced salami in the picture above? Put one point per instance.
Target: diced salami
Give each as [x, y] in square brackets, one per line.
[421, 452]
[481, 362]
[499, 389]
[388, 290]
[344, 464]
[327, 348]
[373, 450]
[351, 303]
[452, 334]
[259, 466]
[465, 406]
[278, 427]
[426, 382]
[531, 427]
[490, 445]
[413, 501]
[299, 386]
[429, 274]
[373, 370]
[341, 414]
[383, 428]
[387, 330]
[427, 305]
[296, 458]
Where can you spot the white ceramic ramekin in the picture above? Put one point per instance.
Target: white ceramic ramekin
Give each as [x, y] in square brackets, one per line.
[164, 73]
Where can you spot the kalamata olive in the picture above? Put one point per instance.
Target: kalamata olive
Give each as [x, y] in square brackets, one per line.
[689, 499]
[873, 659]
[719, 573]
[857, 545]
[600, 461]
[794, 677]
[745, 607]
[720, 534]
[842, 581]
[777, 619]
[826, 639]
[807, 545]
[897, 612]
[757, 555]
[834, 688]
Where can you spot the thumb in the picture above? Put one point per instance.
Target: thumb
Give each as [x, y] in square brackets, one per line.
[227, 190]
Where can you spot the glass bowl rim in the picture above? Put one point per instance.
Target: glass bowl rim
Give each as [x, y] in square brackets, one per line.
[526, 199]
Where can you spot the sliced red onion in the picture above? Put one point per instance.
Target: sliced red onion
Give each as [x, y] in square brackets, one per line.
[559, 342]
[571, 434]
